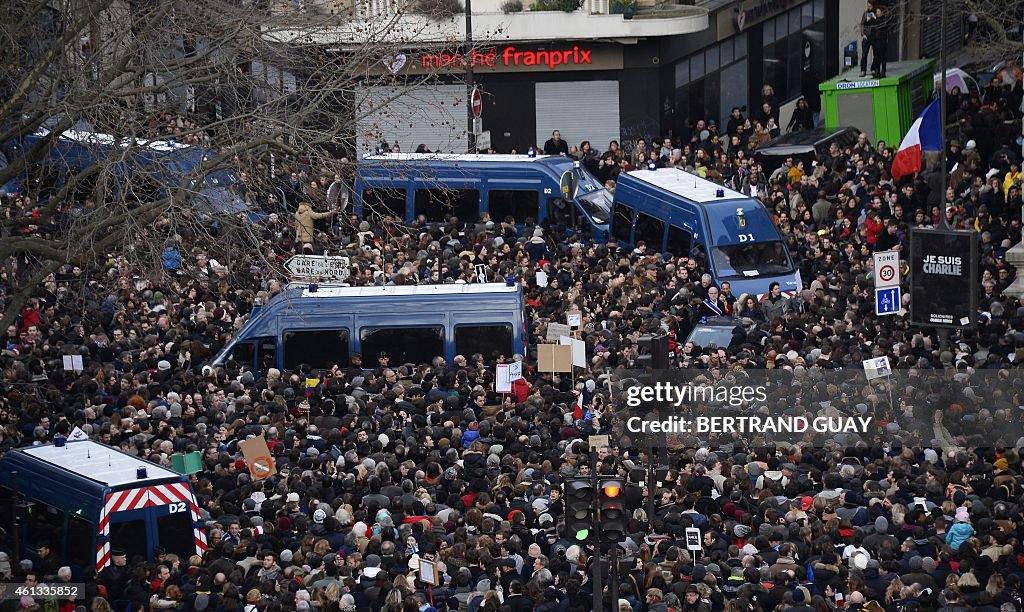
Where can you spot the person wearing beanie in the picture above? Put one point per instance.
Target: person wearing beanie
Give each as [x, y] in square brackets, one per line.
[961, 531]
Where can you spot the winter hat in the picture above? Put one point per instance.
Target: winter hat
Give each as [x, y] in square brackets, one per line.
[1001, 464]
[286, 556]
[962, 516]
[202, 602]
[741, 531]
[163, 365]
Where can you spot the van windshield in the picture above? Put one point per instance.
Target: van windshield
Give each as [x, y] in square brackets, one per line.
[751, 259]
[598, 204]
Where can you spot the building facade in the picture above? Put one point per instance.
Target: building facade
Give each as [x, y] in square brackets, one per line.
[649, 76]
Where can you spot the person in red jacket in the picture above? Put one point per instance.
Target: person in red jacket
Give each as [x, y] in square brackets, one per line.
[874, 226]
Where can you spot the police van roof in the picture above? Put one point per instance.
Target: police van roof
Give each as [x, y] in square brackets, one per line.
[410, 290]
[98, 462]
[455, 157]
[682, 183]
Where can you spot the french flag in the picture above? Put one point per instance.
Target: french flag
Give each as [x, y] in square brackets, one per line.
[924, 135]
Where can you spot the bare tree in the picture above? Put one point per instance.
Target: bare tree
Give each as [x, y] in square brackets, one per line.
[138, 131]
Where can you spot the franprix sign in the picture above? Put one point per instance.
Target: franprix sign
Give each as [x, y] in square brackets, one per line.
[943, 278]
[511, 58]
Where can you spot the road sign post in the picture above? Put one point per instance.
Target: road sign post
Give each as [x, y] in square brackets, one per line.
[887, 269]
[319, 266]
[478, 103]
[887, 301]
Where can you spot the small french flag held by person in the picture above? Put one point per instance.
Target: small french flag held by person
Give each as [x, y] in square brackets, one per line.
[924, 135]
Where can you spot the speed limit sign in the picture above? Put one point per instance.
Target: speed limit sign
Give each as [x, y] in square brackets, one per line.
[887, 269]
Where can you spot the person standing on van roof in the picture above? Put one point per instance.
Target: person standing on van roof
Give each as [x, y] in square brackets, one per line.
[555, 145]
[304, 218]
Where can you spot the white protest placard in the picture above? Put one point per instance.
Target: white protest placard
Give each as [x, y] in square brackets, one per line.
[693, 538]
[877, 367]
[481, 273]
[502, 382]
[542, 278]
[73, 363]
[557, 330]
[574, 319]
[77, 434]
[515, 371]
[428, 572]
[579, 350]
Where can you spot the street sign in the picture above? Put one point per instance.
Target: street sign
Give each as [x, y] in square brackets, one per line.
[887, 301]
[478, 102]
[887, 269]
[319, 266]
[478, 126]
[483, 140]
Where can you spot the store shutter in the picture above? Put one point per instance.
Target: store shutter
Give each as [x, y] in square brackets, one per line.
[580, 110]
[434, 115]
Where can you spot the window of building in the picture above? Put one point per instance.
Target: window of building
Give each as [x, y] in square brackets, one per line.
[516, 203]
[403, 344]
[784, 41]
[622, 222]
[438, 204]
[491, 341]
[320, 349]
[679, 241]
[383, 201]
[650, 230]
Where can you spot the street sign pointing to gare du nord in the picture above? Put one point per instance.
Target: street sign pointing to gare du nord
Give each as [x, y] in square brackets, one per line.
[319, 266]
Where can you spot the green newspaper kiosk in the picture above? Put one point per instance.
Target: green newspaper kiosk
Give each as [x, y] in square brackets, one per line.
[882, 108]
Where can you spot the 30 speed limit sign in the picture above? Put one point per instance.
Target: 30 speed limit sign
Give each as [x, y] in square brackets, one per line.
[887, 269]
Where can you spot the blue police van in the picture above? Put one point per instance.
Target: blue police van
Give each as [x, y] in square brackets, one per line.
[321, 328]
[151, 167]
[84, 499]
[678, 213]
[407, 186]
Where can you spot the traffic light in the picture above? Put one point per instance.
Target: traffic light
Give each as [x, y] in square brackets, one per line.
[614, 516]
[652, 352]
[579, 509]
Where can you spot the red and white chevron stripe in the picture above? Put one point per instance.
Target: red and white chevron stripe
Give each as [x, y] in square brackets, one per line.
[146, 497]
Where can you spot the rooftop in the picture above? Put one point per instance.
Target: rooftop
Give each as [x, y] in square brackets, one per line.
[453, 157]
[103, 464]
[410, 290]
[690, 186]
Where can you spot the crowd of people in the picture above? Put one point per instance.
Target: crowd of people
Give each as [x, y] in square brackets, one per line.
[383, 464]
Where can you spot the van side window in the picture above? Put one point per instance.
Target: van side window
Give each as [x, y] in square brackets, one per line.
[679, 241]
[320, 349]
[45, 524]
[381, 201]
[403, 344]
[622, 221]
[491, 341]
[436, 204]
[80, 544]
[516, 203]
[650, 230]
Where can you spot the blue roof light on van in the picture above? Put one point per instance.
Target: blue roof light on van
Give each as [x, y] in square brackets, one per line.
[652, 166]
[532, 152]
[141, 473]
[719, 193]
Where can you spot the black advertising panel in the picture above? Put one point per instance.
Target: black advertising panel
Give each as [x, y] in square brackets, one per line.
[943, 278]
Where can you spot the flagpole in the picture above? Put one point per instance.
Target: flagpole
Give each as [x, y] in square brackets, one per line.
[942, 118]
